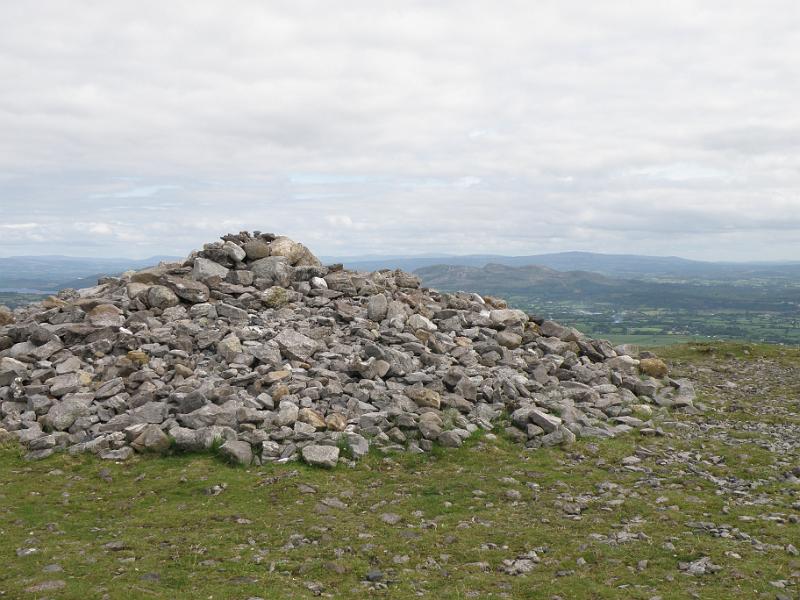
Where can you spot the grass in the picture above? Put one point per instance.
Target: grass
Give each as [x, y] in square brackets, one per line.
[283, 531]
[648, 340]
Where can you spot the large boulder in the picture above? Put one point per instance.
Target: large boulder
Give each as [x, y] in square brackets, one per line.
[160, 296]
[297, 254]
[205, 269]
[151, 439]
[256, 249]
[189, 290]
[61, 385]
[294, 345]
[236, 451]
[105, 315]
[377, 307]
[273, 270]
[10, 369]
[321, 456]
[63, 413]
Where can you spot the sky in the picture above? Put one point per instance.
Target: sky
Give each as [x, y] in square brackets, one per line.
[145, 128]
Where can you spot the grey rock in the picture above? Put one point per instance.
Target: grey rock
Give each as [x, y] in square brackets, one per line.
[204, 269]
[151, 412]
[295, 345]
[321, 456]
[232, 313]
[256, 249]
[274, 270]
[160, 296]
[105, 315]
[237, 452]
[430, 425]
[417, 321]
[151, 439]
[10, 369]
[189, 290]
[280, 354]
[234, 252]
[544, 420]
[62, 414]
[60, 385]
[377, 307]
[358, 444]
[449, 439]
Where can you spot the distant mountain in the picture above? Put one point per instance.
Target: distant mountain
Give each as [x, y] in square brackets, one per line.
[615, 265]
[52, 273]
[510, 279]
[541, 284]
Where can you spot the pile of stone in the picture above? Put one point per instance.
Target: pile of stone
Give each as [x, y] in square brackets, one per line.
[253, 348]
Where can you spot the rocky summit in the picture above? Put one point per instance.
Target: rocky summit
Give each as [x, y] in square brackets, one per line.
[253, 348]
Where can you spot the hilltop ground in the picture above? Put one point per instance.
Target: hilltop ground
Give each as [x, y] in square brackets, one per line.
[709, 510]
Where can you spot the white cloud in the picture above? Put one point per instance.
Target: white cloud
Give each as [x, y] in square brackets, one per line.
[379, 127]
[19, 225]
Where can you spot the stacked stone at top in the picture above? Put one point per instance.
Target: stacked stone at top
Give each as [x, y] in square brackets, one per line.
[253, 345]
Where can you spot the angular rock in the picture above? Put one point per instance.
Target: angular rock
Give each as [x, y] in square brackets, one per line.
[189, 290]
[416, 321]
[321, 456]
[256, 249]
[273, 270]
[205, 269]
[151, 439]
[312, 417]
[544, 420]
[294, 345]
[160, 296]
[63, 413]
[424, 397]
[10, 369]
[61, 385]
[357, 444]
[377, 307]
[105, 315]
[237, 452]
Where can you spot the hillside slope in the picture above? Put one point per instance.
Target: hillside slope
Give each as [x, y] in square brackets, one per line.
[709, 510]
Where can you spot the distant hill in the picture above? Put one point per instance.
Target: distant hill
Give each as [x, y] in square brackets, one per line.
[543, 284]
[510, 279]
[52, 273]
[615, 265]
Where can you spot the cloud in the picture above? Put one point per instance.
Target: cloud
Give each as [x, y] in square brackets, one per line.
[401, 128]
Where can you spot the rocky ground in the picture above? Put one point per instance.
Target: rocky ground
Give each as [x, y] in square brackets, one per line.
[709, 509]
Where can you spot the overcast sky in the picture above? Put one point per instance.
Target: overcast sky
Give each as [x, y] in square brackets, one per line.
[143, 128]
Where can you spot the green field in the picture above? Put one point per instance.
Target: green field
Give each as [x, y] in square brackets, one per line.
[486, 520]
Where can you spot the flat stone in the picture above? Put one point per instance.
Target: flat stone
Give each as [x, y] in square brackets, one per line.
[546, 421]
[204, 269]
[321, 456]
[295, 345]
[105, 315]
[61, 385]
